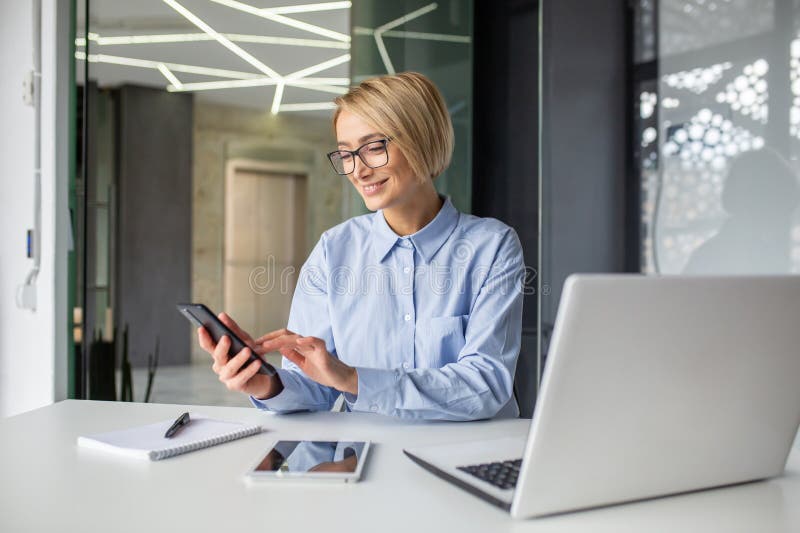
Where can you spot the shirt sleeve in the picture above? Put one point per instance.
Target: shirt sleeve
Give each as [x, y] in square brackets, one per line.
[309, 317]
[480, 383]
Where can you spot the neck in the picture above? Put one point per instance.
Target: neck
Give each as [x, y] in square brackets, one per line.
[414, 215]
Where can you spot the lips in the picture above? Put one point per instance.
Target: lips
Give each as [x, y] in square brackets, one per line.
[373, 188]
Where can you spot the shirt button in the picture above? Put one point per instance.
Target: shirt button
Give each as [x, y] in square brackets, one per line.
[407, 270]
[407, 317]
[373, 408]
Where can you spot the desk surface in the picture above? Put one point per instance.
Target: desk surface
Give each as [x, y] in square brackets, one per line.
[47, 483]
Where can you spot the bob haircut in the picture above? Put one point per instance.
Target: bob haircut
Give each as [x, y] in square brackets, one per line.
[409, 109]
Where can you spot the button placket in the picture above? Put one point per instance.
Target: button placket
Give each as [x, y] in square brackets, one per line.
[409, 317]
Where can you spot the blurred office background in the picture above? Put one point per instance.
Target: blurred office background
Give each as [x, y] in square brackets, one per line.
[185, 144]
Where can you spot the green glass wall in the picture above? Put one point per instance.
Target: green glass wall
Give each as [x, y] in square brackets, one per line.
[434, 39]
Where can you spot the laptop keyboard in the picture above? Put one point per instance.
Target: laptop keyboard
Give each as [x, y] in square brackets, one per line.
[502, 474]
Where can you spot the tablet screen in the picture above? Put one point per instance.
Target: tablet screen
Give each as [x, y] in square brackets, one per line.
[293, 456]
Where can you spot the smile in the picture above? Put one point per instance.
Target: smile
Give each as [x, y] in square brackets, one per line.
[374, 188]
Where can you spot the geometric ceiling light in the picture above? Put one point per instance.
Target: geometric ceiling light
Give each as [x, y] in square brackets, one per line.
[378, 33]
[307, 8]
[319, 67]
[387, 30]
[224, 41]
[316, 106]
[117, 40]
[328, 85]
[419, 35]
[169, 75]
[276, 102]
[301, 78]
[175, 67]
[237, 79]
[280, 19]
[281, 82]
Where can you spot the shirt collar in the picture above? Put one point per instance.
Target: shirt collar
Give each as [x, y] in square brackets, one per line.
[427, 241]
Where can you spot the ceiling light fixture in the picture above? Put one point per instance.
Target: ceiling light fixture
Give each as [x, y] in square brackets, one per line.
[327, 85]
[298, 79]
[175, 67]
[217, 85]
[378, 33]
[318, 67]
[321, 88]
[221, 39]
[289, 41]
[446, 37]
[169, 75]
[119, 40]
[324, 84]
[318, 106]
[247, 8]
[307, 8]
[276, 101]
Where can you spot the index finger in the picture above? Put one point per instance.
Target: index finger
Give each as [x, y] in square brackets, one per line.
[231, 323]
[279, 342]
[273, 335]
[311, 342]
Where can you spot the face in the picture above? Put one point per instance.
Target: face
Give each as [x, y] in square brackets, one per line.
[391, 185]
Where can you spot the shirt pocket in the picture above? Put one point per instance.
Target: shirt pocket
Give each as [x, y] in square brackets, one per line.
[443, 338]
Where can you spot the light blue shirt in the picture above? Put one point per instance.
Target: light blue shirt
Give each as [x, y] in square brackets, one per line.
[432, 322]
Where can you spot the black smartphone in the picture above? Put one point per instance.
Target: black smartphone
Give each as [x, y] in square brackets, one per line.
[200, 315]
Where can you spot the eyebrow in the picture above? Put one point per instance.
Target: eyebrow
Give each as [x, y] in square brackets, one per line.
[362, 139]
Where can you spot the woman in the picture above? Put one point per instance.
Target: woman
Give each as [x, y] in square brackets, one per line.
[413, 311]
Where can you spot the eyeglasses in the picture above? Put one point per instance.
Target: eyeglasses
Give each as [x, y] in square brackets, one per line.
[373, 154]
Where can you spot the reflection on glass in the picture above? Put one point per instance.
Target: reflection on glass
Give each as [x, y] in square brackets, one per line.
[206, 178]
[312, 456]
[717, 132]
[644, 31]
[759, 197]
[435, 39]
[687, 25]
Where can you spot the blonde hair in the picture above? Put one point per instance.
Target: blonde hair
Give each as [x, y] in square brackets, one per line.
[408, 108]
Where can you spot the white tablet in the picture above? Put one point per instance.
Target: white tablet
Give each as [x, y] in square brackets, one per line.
[311, 460]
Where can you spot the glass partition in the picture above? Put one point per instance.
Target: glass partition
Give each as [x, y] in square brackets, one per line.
[717, 99]
[203, 129]
[435, 39]
[202, 132]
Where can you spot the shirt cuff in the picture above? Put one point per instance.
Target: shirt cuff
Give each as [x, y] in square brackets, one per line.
[286, 401]
[377, 391]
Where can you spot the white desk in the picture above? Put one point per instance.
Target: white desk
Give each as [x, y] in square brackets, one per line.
[47, 483]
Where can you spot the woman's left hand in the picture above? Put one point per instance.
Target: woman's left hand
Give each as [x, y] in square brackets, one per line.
[313, 358]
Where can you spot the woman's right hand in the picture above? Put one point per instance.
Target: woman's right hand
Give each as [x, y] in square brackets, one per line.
[233, 372]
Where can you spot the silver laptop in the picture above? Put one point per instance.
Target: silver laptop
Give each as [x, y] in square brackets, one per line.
[653, 386]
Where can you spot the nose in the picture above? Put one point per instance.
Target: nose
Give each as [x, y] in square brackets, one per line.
[361, 171]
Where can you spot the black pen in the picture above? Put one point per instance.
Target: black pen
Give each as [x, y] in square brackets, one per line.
[176, 426]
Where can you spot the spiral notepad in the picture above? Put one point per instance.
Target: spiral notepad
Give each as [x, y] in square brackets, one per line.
[148, 442]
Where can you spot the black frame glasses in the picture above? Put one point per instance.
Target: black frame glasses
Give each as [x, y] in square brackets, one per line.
[347, 158]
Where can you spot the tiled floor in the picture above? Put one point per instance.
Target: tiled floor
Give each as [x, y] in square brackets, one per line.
[186, 384]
